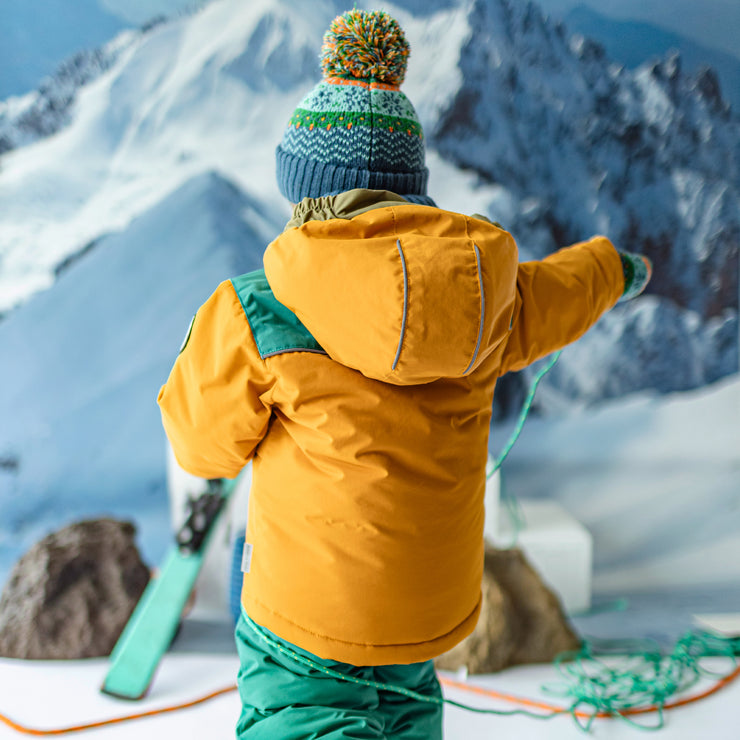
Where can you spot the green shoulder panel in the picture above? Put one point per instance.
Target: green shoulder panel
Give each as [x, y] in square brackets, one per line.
[275, 328]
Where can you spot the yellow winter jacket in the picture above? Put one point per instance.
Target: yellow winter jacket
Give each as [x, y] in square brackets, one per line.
[357, 371]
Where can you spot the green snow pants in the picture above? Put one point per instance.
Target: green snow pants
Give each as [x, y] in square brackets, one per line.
[283, 699]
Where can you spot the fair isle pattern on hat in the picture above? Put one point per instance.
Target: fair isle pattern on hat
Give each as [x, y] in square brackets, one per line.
[355, 128]
[345, 129]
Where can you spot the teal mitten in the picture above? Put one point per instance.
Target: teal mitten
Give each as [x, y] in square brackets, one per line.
[638, 270]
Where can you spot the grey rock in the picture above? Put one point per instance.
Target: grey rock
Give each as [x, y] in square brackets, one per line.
[72, 593]
[521, 620]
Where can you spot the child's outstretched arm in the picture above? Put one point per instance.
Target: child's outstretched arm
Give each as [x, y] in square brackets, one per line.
[215, 406]
[560, 297]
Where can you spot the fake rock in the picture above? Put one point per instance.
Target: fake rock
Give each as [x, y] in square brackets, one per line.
[521, 619]
[72, 593]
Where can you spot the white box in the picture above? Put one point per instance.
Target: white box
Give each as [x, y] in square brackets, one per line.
[557, 546]
[492, 499]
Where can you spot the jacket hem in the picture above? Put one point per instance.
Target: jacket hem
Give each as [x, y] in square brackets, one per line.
[358, 653]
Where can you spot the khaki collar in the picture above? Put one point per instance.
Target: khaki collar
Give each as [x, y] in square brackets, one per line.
[343, 205]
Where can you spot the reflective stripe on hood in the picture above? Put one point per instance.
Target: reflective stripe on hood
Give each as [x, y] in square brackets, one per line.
[404, 293]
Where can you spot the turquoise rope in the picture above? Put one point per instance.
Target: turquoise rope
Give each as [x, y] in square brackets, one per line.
[649, 680]
[510, 502]
[523, 413]
[517, 520]
[645, 677]
[378, 685]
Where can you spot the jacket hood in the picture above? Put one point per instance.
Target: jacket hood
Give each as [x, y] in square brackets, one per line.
[404, 293]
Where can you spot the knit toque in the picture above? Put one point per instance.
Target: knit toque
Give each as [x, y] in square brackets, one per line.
[355, 129]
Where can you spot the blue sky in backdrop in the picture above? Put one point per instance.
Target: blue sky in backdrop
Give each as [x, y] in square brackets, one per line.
[88, 23]
[712, 23]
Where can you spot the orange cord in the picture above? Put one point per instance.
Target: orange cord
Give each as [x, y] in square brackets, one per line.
[552, 708]
[488, 693]
[116, 720]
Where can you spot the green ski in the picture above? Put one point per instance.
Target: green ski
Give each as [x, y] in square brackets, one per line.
[156, 618]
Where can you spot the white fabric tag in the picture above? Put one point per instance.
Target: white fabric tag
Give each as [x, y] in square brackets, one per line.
[246, 557]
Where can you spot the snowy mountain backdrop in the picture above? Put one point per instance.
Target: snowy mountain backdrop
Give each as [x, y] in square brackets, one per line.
[632, 43]
[143, 174]
[579, 146]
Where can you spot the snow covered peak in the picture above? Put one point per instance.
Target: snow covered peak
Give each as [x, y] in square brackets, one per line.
[537, 129]
[580, 145]
[89, 355]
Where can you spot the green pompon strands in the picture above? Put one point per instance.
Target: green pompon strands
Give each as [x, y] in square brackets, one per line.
[327, 120]
[365, 45]
[648, 680]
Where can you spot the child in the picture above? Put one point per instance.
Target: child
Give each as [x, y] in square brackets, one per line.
[357, 372]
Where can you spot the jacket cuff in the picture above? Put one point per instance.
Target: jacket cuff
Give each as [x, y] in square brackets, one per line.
[637, 272]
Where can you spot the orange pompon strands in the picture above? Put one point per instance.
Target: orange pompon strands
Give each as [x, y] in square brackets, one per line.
[370, 85]
[365, 45]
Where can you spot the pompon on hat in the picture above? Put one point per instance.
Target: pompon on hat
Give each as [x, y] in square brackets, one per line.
[356, 129]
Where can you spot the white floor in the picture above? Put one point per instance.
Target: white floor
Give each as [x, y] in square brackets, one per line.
[50, 695]
[46, 695]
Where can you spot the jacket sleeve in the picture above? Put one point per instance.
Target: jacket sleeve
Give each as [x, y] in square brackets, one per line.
[216, 403]
[559, 298]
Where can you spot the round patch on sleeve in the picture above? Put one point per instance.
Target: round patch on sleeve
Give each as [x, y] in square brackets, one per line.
[187, 336]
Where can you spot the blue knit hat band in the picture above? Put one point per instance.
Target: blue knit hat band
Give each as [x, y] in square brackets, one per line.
[299, 177]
